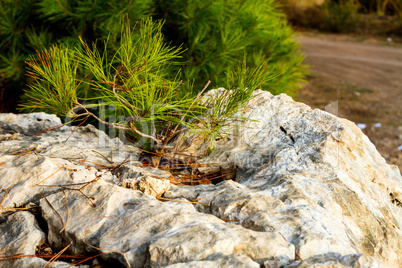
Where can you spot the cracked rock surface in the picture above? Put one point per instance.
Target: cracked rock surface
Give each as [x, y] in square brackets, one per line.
[309, 190]
[20, 234]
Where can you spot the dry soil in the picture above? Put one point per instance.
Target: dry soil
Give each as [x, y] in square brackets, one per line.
[361, 80]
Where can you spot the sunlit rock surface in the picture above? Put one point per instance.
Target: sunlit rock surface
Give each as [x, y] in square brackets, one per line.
[307, 189]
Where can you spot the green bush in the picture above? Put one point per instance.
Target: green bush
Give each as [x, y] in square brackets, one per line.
[331, 16]
[148, 105]
[346, 16]
[341, 17]
[30, 25]
[382, 7]
[214, 34]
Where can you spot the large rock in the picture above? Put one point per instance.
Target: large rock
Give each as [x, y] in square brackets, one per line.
[27, 124]
[65, 155]
[308, 189]
[138, 229]
[20, 235]
[313, 177]
[86, 144]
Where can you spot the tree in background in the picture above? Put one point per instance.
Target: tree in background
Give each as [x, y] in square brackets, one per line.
[215, 35]
[382, 7]
[346, 16]
[30, 25]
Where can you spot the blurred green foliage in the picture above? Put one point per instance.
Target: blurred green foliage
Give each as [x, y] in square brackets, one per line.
[341, 16]
[134, 83]
[214, 34]
[347, 16]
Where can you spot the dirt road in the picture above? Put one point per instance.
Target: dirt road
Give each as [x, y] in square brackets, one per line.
[366, 80]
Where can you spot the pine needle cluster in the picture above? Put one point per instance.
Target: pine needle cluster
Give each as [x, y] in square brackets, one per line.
[213, 35]
[150, 107]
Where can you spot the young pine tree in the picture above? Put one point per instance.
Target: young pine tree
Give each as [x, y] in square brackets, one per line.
[214, 35]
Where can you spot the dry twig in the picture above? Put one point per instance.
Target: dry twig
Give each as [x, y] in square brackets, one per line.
[76, 128]
[103, 156]
[24, 152]
[56, 256]
[297, 255]
[174, 200]
[49, 129]
[57, 213]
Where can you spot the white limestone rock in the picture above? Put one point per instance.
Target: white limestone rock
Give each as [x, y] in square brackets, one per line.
[222, 261]
[359, 261]
[353, 260]
[204, 239]
[35, 262]
[28, 176]
[152, 232]
[86, 144]
[27, 124]
[306, 182]
[313, 177]
[57, 157]
[148, 185]
[20, 235]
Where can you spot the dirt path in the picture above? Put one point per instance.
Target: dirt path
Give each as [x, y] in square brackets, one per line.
[365, 79]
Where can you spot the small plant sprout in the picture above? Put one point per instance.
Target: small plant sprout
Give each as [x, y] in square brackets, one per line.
[149, 106]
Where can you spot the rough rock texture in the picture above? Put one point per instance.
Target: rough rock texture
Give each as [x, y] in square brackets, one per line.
[20, 234]
[28, 160]
[313, 177]
[150, 232]
[87, 144]
[148, 185]
[224, 261]
[308, 185]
